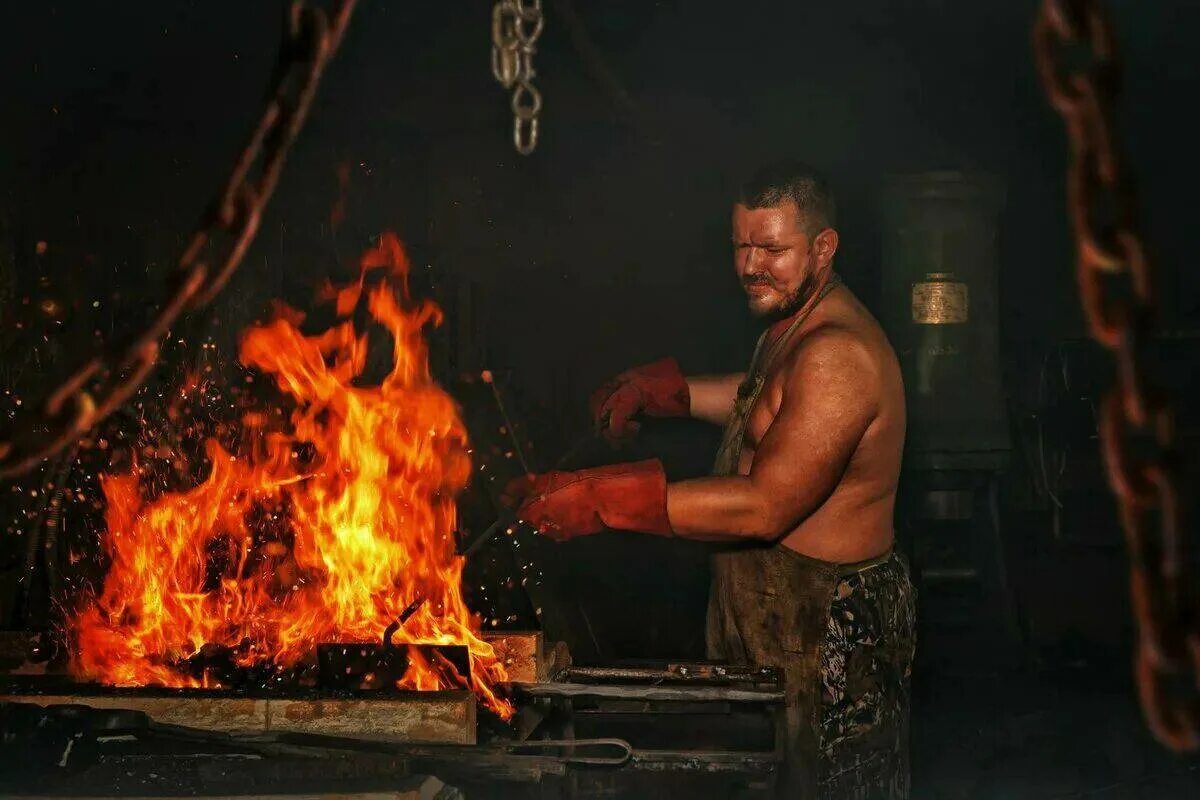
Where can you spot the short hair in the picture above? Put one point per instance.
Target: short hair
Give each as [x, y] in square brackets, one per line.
[774, 183]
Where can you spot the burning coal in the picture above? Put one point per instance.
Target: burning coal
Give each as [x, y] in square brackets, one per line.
[322, 530]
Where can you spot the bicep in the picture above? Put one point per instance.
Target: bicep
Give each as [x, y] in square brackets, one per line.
[829, 400]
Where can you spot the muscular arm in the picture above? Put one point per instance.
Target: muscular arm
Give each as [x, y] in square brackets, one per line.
[829, 398]
[713, 396]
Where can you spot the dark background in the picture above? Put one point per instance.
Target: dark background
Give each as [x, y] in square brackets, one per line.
[608, 246]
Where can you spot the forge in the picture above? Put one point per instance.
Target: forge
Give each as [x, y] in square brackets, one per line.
[563, 400]
[325, 517]
[295, 598]
[351, 694]
[305, 582]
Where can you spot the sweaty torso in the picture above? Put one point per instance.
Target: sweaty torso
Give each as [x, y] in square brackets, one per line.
[854, 522]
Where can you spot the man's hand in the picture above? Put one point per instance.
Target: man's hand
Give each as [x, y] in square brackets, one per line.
[657, 390]
[564, 505]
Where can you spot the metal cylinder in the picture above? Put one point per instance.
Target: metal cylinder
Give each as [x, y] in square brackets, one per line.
[940, 298]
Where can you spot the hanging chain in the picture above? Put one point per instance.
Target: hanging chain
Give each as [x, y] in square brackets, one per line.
[311, 37]
[516, 26]
[1076, 56]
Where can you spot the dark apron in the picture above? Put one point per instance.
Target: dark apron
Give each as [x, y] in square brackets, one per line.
[772, 606]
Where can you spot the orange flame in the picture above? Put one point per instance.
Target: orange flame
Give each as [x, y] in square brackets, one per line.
[277, 551]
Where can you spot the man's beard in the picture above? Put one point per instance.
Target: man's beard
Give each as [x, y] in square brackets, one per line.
[792, 302]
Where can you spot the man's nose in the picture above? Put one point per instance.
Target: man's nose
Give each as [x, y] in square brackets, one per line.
[748, 259]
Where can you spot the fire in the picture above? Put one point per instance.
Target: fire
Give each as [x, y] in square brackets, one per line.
[323, 532]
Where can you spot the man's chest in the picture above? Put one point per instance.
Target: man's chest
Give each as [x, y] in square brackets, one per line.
[760, 411]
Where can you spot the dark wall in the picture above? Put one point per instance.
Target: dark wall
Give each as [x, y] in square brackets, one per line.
[606, 247]
[120, 122]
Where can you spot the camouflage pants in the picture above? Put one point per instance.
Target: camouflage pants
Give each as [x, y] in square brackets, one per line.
[844, 636]
[865, 672]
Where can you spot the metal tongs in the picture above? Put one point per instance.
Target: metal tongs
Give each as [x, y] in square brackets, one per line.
[507, 517]
[626, 750]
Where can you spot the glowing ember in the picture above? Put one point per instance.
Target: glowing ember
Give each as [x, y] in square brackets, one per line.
[321, 533]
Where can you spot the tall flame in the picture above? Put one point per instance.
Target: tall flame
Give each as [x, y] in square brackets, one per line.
[322, 533]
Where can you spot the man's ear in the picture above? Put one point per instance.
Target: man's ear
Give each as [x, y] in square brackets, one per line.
[824, 247]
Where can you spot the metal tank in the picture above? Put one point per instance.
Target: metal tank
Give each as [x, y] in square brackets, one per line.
[939, 306]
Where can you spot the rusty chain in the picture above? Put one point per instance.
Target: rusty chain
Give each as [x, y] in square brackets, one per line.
[312, 35]
[1076, 56]
[516, 26]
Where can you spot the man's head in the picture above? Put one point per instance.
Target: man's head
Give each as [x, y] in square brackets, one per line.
[783, 236]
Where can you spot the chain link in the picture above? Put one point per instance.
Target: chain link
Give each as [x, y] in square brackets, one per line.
[312, 35]
[1076, 56]
[516, 26]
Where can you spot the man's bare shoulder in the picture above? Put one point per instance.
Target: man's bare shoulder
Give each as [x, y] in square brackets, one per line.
[834, 349]
[833, 366]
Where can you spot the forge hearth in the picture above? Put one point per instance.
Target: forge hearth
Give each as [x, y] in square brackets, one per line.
[345, 703]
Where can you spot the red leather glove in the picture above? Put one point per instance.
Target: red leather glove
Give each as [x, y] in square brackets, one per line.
[563, 505]
[657, 390]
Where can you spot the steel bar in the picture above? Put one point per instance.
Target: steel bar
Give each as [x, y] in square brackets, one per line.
[508, 517]
[665, 693]
[679, 673]
[502, 521]
[490, 380]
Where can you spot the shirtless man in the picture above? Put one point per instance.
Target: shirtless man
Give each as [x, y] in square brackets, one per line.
[801, 496]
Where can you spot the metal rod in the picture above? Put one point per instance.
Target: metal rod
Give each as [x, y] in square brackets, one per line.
[411, 609]
[504, 754]
[572, 744]
[595, 63]
[668, 693]
[490, 380]
[399, 621]
[679, 673]
[507, 518]
[485, 537]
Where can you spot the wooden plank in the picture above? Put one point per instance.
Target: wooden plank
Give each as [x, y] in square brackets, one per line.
[437, 718]
[419, 717]
[224, 714]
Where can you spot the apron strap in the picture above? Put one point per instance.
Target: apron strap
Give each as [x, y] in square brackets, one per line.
[729, 453]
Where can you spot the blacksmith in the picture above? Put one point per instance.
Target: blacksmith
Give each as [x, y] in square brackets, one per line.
[800, 499]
